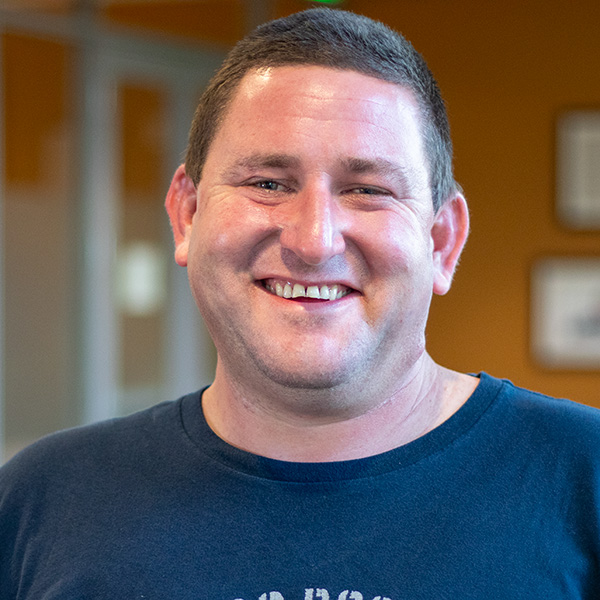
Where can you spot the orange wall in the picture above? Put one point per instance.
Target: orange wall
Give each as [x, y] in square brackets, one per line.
[31, 65]
[218, 22]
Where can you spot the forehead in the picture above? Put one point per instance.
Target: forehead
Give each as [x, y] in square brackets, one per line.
[319, 87]
[321, 117]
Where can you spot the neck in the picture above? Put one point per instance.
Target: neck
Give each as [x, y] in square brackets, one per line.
[301, 432]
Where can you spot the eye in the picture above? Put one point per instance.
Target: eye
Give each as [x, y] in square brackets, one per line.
[368, 197]
[269, 185]
[365, 190]
[369, 191]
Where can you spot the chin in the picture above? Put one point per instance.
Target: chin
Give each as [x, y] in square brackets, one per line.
[322, 395]
[312, 381]
[312, 375]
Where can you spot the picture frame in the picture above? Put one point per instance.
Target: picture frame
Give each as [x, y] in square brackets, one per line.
[578, 169]
[565, 313]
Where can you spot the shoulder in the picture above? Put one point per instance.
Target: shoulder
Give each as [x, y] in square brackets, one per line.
[544, 447]
[73, 487]
[99, 448]
[541, 406]
[557, 423]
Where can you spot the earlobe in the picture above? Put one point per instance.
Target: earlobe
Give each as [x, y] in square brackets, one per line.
[449, 234]
[181, 207]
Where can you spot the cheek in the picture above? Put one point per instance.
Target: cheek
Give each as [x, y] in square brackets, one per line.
[225, 238]
[398, 247]
[217, 226]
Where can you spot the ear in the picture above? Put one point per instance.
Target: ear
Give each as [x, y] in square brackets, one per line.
[181, 207]
[449, 234]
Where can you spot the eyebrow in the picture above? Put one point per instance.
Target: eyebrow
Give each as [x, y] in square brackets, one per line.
[376, 166]
[262, 161]
[353, 165]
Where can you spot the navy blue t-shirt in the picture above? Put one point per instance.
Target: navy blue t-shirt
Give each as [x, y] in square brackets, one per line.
[500, 501]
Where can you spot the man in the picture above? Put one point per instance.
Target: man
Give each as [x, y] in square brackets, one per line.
[331, 458]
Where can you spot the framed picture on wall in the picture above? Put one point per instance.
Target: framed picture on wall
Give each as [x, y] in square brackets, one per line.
[565, 313]
[578, 169]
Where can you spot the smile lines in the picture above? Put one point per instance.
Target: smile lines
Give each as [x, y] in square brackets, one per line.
[286, 289]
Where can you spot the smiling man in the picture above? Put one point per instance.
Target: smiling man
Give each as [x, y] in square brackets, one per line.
[313, 248]
[331, 458]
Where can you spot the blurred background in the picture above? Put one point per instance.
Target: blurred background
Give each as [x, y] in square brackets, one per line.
[97, 97]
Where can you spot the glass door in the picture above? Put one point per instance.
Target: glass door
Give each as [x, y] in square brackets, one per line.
[98, 320]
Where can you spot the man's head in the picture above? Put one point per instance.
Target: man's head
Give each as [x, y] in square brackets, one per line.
[339, 40]
[306, 221]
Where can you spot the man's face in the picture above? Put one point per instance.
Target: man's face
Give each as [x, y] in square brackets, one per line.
[312, 251]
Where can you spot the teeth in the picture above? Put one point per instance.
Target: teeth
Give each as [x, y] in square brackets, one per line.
[297, 290]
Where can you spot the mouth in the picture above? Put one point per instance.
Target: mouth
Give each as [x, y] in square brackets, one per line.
[309, 292]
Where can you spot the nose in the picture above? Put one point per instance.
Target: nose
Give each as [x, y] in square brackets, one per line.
[313, 229]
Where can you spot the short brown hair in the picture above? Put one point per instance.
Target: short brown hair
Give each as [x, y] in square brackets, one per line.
[339, 40]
